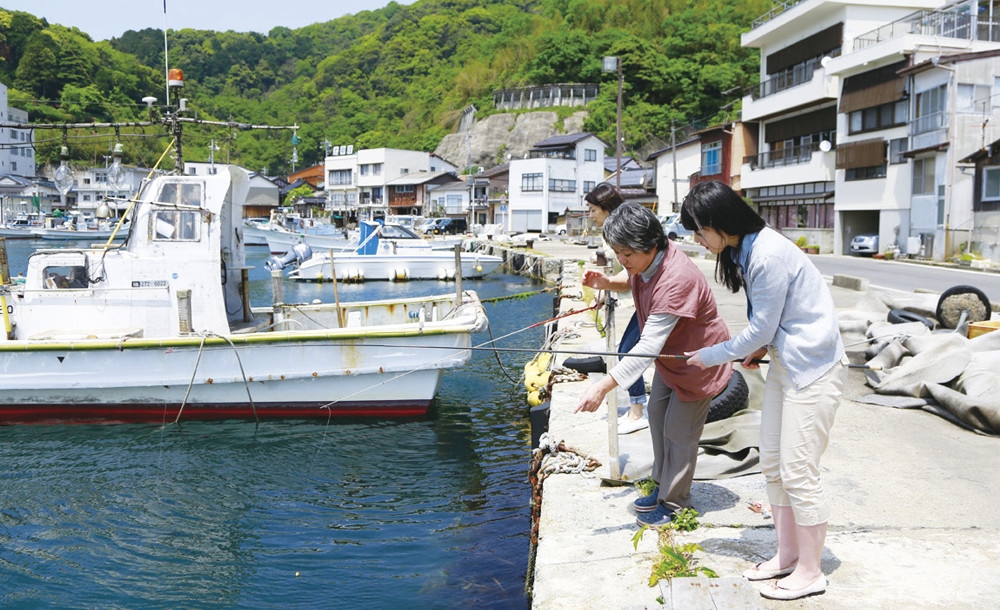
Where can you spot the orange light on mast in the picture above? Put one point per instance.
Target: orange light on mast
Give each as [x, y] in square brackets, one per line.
[175, 77]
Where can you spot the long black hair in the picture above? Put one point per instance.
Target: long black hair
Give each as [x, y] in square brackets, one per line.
[715, 205]
[605, 197]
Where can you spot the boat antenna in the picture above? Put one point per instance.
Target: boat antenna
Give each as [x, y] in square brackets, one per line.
[166, 59]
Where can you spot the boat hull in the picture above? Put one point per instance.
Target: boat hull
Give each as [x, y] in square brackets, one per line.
[317, 376]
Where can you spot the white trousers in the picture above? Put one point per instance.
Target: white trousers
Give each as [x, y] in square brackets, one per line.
[794, 432]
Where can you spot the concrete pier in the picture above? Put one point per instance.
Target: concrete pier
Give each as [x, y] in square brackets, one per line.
[914, 525]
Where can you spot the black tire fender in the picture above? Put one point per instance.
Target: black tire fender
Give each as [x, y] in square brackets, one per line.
[731, 399]
[902, 316]
[586, 364]
[949, 315]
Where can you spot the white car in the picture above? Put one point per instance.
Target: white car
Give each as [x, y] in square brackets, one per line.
[674, 229]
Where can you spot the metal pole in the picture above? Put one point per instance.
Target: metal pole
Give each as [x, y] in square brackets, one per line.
[673, 148]
[618, 130]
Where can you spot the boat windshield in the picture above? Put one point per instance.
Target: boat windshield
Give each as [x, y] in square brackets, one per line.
[397, 232]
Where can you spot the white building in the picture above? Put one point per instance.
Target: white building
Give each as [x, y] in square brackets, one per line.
[357, 181]
[17, 152]
[551, 181]
[674, 166]
[864, 113]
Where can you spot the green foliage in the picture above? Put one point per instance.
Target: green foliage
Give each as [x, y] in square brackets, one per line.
[674, 560]
[398, 76]
[299, 192]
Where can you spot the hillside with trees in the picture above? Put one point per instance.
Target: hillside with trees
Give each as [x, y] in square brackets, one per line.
[394, 77]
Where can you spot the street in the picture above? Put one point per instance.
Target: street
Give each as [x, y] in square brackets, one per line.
[906, 276]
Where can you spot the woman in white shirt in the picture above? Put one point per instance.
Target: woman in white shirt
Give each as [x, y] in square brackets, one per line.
[792, 318]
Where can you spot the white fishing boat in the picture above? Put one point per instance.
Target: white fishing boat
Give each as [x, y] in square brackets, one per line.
[290, 225]
[162, 328]
[71, 233]
[401, 237]
[385, 260]
[20, 226]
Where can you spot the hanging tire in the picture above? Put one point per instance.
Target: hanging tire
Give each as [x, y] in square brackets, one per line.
[902, 316]
[957, 299]
[731, 399]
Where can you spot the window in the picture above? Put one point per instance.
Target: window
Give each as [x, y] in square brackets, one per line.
[588, 185]
[65, 276]
[405, 188]
[930, 109]
[340, 177]
[589, 154]
[877, 117]
[366, 169]
[711, 158]
[923, 176]
[972, 98]
[991, 184]
[896, 149]
[531, 182]
[175, 225]
[870, 172]
[562, 186]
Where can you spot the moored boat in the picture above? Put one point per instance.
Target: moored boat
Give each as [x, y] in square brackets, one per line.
[153, 331]
[385, 260]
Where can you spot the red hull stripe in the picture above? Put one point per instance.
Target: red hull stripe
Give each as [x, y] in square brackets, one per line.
[157, 413]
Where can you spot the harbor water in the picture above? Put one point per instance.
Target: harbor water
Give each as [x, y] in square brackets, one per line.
[421, 513]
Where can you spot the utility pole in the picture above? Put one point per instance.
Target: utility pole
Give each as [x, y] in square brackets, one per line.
[673, 149]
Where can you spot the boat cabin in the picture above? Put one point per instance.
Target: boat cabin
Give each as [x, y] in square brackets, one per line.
[180, 271]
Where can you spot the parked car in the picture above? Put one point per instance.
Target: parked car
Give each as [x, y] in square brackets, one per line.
[865, 244]
[674, 229]
[428, 225]
[451, 226]
[561, 229]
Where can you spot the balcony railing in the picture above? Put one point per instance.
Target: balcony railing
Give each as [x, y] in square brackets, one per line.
[928, 122]
[796, 155]
[798, 74]
[777, 8]
[951, 24]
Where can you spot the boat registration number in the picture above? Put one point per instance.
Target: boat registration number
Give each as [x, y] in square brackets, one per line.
[149, 283]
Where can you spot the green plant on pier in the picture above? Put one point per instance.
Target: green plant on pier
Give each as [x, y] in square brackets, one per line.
[675, 560]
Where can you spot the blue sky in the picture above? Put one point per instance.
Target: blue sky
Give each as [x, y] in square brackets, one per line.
[104, 19]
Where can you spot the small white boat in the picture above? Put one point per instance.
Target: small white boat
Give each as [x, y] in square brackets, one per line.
[65, 233]
[374, 259]
[281, 242]
[20, 226]
[152, 331]
[290, 225]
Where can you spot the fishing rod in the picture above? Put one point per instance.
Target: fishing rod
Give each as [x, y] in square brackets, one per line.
[869, 367]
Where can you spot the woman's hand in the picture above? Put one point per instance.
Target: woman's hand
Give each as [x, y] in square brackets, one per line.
[594, 396]
[748, 362]
[694, 359]
[595, 279]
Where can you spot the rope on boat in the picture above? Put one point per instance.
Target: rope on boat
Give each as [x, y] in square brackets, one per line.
[246, 383]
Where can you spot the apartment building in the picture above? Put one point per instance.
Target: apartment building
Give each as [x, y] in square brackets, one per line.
[17, 147]
[358, 181]
[865, 113]
[551, 182]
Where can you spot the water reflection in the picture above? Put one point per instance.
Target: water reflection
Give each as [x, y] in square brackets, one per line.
[429, 513]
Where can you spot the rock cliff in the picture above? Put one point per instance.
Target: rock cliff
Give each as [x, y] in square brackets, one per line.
[490, 140]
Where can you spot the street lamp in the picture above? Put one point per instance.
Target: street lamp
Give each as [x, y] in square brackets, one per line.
[613, 64]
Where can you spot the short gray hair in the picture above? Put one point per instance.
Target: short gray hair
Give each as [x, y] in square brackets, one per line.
[634, 227]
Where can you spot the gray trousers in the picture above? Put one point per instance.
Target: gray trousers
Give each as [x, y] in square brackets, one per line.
[675, 427]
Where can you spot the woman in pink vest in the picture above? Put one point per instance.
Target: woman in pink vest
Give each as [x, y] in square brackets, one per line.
[676, 313]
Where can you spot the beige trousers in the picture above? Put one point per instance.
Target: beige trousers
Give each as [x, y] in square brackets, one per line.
[794, 432]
